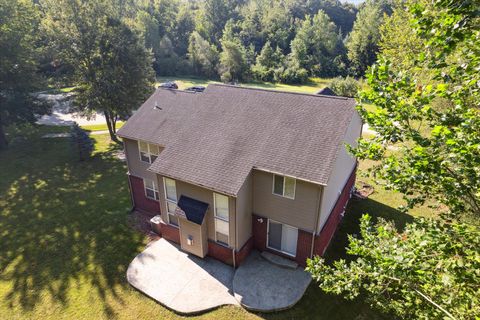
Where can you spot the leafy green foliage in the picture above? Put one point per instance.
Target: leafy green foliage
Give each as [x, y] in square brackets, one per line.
[316, 45]
[233, 60]
[347, 87]
[434, 123]
[203, 56]
[113, 73]
[430, 270]
[363, 41]
[19, 51]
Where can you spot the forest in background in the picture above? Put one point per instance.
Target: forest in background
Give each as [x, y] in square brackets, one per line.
[284, 41]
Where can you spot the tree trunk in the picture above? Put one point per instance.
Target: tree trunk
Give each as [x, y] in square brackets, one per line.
[109, 117]
[3, 138]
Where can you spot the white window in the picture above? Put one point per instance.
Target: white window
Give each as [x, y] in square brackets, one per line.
[282, 237]
[171, 200]
[221, 218]
[148, 152]
[284, 186]
[151, 189]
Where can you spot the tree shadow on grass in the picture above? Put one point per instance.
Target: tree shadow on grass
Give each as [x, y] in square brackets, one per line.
[63, 223]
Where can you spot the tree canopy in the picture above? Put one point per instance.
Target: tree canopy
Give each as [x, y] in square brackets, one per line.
[19, 62]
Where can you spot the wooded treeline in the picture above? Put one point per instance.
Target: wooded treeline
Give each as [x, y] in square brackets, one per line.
[234, 40]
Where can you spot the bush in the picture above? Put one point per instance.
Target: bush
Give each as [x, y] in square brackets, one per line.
[347, 87]
[291, 75]
[81, 142]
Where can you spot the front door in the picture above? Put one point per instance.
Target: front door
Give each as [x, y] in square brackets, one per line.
[282, 237]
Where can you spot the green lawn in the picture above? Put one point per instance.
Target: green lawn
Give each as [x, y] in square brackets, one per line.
[65, 242]
[100, 127]
[313, 86]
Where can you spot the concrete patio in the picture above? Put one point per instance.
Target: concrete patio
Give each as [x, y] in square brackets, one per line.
[188, 284]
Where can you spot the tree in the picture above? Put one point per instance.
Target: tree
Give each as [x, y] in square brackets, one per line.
[428, 271]
[113, 73]
[233, 58]
[212, 18]
[435, 123]
[19, 21]
[362, 44]
[203, 56]
[184, 25]
[267, 62]
[316, 44]
[399, 43]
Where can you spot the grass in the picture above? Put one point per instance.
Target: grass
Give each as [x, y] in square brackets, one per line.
[312, 86]
[100, 127]
[65, 242]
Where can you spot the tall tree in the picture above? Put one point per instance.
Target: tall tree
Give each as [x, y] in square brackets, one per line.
[212, 18]
[363, 41]
[233, 59]
[19, 21]
[316, 45]
[203, 56]
[113, 73]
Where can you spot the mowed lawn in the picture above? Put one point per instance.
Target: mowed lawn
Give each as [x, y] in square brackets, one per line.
[312, 86]
[66, 242]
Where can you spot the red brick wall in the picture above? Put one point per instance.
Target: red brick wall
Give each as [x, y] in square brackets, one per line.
[323, 239]
[304, 247]
[220, 252]
[243, 252]
[170, 232]
[259, 231]
[139, 198]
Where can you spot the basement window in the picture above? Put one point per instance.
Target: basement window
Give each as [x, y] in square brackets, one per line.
[284, 186]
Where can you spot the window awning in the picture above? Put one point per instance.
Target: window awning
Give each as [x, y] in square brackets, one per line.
[191, 209]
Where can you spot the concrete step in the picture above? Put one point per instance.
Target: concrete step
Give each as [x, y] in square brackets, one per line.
[279, 261]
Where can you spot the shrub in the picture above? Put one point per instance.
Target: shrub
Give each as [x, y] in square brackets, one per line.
[347, 87]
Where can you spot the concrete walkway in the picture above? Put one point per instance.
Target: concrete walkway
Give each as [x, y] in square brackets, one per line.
[260, 285]
[181, 282]
[188, 284]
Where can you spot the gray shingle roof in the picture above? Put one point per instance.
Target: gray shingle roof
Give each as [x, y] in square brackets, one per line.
[215, 138]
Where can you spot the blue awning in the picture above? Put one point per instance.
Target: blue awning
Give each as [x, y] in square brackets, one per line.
[191, 209]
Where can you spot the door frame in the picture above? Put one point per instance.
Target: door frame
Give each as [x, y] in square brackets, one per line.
[268, 236]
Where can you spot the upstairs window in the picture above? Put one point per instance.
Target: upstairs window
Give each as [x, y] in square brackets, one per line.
[148, 152]
[151, 189]
[284, 186]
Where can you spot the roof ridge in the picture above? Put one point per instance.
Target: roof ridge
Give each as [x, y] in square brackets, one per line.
[279, 91]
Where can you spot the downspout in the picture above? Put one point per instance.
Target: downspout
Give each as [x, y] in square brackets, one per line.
[128, 174]
[236, 235]
[319, 202]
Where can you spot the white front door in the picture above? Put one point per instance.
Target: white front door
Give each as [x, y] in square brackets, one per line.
[282, 237]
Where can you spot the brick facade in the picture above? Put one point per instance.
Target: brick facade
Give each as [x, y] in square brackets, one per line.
[220, 252]
[242, 254]
[140, 199]
[328, 231]
[170, 232]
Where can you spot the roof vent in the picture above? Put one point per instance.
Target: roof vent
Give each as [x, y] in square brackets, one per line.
[156, 106]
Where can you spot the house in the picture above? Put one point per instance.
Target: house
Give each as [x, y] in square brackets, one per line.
[233, 168]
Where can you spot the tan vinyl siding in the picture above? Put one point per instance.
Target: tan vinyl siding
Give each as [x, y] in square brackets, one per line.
[136, 167]
[342, 169]
[204, 195]
[300, 212]
[244, 212]
[199, 246]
